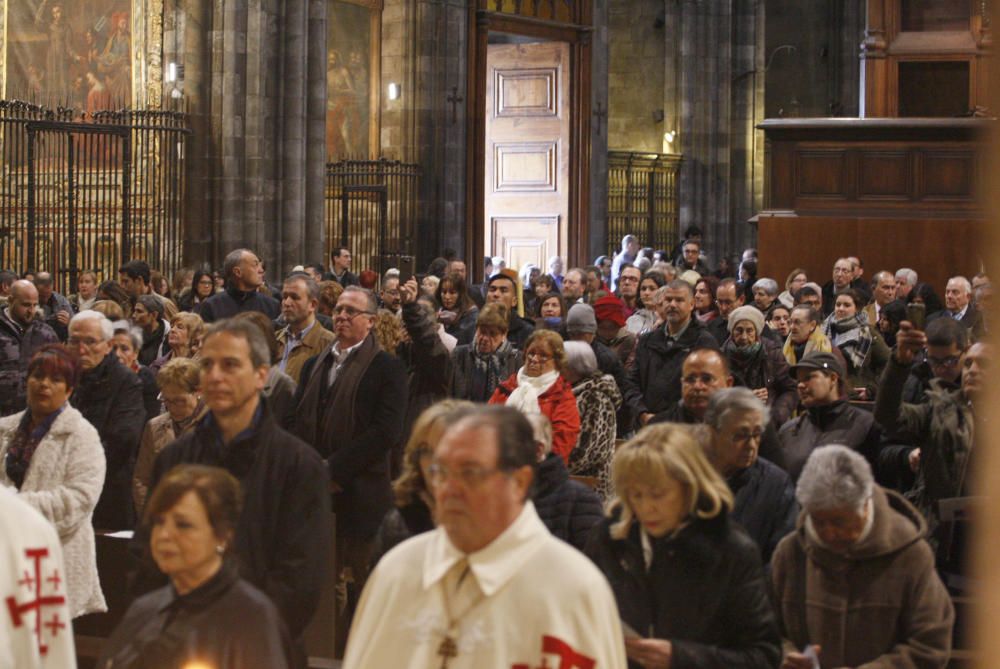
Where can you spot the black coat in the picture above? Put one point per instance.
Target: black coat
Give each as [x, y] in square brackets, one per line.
[359, 463]
[568, 508]
[705, 592]
[428, 364]
[837, 423]
[609, 363]
[154, 346]
[225, 622]
[110, 397]
[519, 331]
[283, 535]
[230, 302]
[654, 382]
[764, 504]
[401, 523]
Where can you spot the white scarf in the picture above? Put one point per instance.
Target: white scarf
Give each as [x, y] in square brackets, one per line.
[529, 388]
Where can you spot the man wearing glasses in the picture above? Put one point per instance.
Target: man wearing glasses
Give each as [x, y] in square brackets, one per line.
[351, 403]
[110, 397]
[490, 587]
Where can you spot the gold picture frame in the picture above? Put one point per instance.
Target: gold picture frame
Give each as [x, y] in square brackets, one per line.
[354, 32]
[145, 52]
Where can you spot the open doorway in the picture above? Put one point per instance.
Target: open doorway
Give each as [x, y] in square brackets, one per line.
[526, 151]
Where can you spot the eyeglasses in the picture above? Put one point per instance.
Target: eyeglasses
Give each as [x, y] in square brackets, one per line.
[350, 312]
[949, 361]
[173, 402]
[540, 357]
[469, 476]
[88, 342]
[743, 436]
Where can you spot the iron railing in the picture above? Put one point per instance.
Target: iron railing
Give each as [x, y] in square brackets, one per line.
[371, 208]
[642, 198]
[93, 191]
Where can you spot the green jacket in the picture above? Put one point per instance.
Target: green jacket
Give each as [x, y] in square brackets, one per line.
[945, 426]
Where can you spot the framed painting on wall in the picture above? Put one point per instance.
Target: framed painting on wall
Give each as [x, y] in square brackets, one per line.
[353, 74]
[93, 55]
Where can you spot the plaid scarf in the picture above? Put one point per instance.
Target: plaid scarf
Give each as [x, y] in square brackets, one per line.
[486, 375]
[852, 336]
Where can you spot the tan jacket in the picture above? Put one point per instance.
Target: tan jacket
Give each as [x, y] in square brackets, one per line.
[158, 433]
[880, 605]
[317, 339]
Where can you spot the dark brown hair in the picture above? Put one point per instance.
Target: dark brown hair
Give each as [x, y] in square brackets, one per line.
[217, 490]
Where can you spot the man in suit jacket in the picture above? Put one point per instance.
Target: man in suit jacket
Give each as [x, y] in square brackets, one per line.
[884, 290]
[958, 304]
[351, 404]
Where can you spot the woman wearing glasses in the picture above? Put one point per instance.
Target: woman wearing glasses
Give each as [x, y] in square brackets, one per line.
[764, 497]
[179, 390]
[54, 460]
[688, 582]
[539, 387]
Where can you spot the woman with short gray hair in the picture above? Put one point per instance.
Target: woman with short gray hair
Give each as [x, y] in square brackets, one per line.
[856, 582]
[597, 399]
[764, 499]
[765, 295]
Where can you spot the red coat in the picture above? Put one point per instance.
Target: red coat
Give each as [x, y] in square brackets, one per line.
[559, 405]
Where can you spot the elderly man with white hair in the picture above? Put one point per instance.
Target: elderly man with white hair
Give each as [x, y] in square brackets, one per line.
[906, 280]
[110, 397]
[855, 584]
[958, 304]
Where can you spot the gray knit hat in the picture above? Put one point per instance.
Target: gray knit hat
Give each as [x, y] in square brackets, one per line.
[581, 319]
[747, 313]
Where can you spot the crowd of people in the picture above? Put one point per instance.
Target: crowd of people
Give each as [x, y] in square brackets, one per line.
[541, 466]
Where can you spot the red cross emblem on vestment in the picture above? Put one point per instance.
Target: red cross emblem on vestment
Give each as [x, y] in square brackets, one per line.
[568, 657]
[35, 583]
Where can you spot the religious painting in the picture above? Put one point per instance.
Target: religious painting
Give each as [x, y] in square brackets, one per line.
[353, 71]
[77, 54]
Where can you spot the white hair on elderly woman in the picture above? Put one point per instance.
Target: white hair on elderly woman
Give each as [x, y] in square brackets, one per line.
[835, 477]
[728, 401]
[580, 359]
[769, 286]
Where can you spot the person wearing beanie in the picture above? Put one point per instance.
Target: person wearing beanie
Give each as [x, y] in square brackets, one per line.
[581, 325]
[757, 363]
[611, 331]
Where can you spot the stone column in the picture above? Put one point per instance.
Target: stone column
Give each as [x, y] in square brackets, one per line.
[599, 132]
[256, 88]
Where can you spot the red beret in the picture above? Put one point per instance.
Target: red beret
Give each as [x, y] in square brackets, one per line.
[610, 308]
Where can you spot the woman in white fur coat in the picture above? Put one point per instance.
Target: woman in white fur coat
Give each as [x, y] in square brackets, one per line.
[53, 458]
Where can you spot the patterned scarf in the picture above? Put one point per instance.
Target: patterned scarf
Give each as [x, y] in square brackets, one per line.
[489, 371]
[852, 336]
[24, 443]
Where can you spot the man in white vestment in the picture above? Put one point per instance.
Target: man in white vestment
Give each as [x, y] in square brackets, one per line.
[490, 588]
[36, 631]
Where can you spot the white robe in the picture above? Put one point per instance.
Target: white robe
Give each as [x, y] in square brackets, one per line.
[544, 601]
[35, 627]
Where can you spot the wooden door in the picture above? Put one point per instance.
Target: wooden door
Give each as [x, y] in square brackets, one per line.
[527, 152]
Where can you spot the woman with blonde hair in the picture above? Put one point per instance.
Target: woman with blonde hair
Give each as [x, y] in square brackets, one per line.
[688, 581]
[413, 513]
[184, 338]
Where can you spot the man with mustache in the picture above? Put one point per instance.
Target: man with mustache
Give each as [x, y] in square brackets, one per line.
[653, 384]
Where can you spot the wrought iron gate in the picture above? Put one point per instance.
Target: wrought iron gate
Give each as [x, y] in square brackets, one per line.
[642, 198]
[80, 192]
[371, 208]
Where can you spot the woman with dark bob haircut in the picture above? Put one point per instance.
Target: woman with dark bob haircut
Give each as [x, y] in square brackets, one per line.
[54, 460]
[207, 615]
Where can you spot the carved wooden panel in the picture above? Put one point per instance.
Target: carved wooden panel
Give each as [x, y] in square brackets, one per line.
[525, 166]
[822, 174]
[947, 175]
[525, 239]
[884, 175]
[527, 92]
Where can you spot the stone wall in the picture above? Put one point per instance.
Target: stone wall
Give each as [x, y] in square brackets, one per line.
[637, 56]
